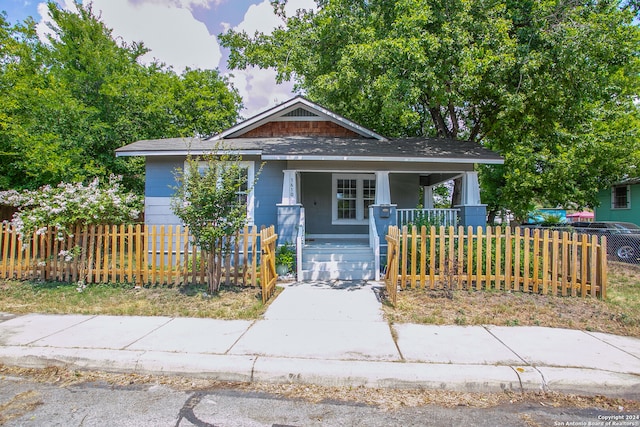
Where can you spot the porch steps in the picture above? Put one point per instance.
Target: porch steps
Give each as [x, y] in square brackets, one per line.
[337, 261]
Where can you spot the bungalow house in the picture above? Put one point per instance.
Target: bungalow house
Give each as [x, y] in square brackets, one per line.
[331, 186]
[620, 202]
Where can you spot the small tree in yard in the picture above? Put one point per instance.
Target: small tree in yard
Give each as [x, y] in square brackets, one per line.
[211, 200]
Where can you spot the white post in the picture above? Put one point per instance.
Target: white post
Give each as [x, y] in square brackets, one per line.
[428, 197]
[383, 190]
[470, 189]
[290, 188]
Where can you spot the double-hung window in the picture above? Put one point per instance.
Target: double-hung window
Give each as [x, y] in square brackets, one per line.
[352, 195]
[247, 169]
[620, 197]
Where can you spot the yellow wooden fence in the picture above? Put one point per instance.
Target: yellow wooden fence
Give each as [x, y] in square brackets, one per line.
[545, 262]
[140, 254]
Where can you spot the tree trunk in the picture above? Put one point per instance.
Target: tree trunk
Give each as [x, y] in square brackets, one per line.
[491, 217]
[212, 274]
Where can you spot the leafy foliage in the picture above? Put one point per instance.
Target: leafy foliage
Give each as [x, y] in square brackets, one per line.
[70, 204]
[68, 102]
[210, 200]
[550, 85]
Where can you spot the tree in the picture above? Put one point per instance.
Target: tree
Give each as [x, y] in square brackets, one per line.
[211, 200]
[70, 101]
[536, 81]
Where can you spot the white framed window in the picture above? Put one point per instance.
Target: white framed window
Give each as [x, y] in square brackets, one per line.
[244, 195]
[352, 195]
[621, 197]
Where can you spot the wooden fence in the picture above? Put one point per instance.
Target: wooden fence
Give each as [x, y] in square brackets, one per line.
[545, 262]
[140, 254]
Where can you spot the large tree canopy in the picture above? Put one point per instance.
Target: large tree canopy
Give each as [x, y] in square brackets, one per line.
[67, 103]
[551, 85]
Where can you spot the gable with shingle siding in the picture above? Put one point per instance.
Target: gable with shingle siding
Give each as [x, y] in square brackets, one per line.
[300, 128]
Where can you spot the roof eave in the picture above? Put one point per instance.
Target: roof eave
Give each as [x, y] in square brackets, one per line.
[382, 159]
[153, 153]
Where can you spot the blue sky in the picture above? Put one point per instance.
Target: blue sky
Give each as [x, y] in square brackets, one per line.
[183, 33]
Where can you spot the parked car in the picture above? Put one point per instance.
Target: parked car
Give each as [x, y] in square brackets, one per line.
[623, 238]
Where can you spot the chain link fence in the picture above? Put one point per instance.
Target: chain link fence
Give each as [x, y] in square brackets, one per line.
[623, 243]
[623, 247]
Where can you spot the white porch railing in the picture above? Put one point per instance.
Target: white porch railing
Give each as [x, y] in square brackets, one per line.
[374, 243]
[435, 217]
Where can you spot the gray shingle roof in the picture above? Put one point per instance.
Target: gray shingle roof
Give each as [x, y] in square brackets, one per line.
[417, 149]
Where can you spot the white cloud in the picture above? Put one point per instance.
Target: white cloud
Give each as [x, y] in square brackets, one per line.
[258, 87]
[167, 27]
[261, 18]
[183, 4]
[174, 36]
[259, 90]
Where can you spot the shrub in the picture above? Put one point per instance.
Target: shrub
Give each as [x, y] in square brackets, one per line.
[70, 204]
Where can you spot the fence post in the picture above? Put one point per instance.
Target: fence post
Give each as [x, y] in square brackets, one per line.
[497, 281]
[414, 255]
[603, 267]
[555, 258]
[536, 260]
[584, 252]
[593, 263]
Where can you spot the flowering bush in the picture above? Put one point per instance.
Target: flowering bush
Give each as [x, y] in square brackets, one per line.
[68, 205]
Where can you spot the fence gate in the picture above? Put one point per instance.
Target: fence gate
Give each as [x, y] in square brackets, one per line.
[268, 275]
[391, 278]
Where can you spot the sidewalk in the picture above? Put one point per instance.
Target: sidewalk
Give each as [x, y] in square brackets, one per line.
[335, 336]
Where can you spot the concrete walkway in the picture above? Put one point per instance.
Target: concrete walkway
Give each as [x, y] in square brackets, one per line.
[330, 334]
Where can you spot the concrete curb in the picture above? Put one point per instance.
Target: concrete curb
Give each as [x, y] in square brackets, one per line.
[332, 373]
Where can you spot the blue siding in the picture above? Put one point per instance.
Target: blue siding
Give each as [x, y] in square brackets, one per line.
[268, 192]
[160, 179]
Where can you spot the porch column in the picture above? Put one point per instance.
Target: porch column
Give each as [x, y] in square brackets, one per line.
[470, 189]
[383, 190]
[472, 211]
[290, 187]
[428, 197]
[383, 214]
[289, 210]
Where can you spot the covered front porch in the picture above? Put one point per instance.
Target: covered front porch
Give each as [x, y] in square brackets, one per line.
[338, 220]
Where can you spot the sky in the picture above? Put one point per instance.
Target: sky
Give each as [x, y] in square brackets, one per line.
[183, 33]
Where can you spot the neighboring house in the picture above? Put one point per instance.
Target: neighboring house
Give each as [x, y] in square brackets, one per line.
[621, 202]
[325, 179]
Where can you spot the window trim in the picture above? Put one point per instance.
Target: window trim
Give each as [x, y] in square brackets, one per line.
[614, 205]
[250, 166]
[360, 214]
